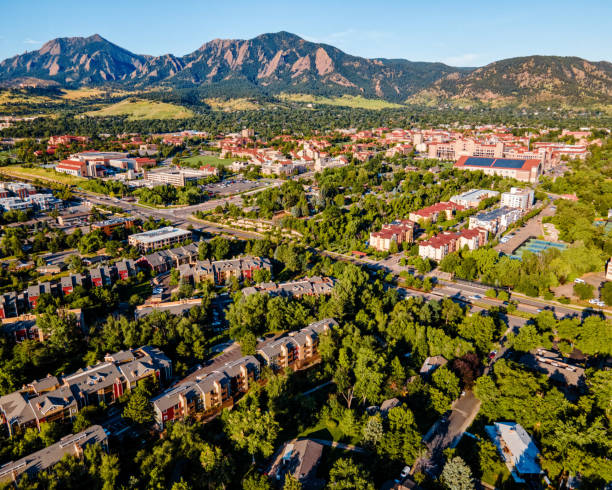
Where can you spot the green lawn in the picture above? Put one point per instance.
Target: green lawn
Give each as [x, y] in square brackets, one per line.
[356, 102]
[208, 160]
[4, 155]
[139, 109]
[40, 173]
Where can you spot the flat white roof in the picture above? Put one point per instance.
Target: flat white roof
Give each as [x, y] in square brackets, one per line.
[160, 234]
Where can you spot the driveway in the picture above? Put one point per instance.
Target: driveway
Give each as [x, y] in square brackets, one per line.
[447, 432]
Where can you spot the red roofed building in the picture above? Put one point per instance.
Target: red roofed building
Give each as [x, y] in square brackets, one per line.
[397, 231]
[67, 139]
[431, 213]
[72, 167]
[210, 170]
[527, 170]
[144, 162]
[442, 244]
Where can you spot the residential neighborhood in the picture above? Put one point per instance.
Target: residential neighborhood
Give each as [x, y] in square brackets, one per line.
[356, 246]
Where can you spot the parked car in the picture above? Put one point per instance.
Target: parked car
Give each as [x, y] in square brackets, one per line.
[492, 354]
[579, 281]
[405, 472]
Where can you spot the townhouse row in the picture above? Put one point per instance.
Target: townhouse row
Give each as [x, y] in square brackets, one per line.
[213, 390]
[13, 304]
[60, 398]
[222, 271]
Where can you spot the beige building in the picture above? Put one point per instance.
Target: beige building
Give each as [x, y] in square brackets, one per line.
[396, 232]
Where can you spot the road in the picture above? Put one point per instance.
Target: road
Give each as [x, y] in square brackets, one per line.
[177, 219]
[466, 291]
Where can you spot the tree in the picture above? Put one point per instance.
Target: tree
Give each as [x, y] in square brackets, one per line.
[527, 339]
[138, 408]
[252, 430]
[261, 275]
[216, 466]
[457, 475]
[291, 483]
[583, 290]
[606, 293]
[220, 247]
[345, 474]
[479, 328]
[255, 481]
[373, 430]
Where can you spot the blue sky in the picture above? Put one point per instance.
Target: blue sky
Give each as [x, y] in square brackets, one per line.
[461, 33]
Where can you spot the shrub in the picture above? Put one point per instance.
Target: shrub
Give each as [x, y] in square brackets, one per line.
[583, 291]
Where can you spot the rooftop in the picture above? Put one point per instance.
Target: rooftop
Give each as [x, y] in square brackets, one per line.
[160, 234]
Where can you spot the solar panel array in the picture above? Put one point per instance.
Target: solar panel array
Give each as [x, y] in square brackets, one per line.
[508, 163]
[479, 161]
[494, 162]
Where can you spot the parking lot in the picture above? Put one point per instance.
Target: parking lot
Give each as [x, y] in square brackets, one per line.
[229, 187]
[533, 228]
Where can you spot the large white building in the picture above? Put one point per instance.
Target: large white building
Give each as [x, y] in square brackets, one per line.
[176, 177]
[473, 197]
[518, 198]
[154, 239]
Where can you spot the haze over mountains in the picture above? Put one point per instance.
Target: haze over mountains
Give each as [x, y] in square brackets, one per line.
[284, 62]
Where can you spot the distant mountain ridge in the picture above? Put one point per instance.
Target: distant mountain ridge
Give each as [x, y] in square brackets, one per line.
[284, 62]
[529, 79]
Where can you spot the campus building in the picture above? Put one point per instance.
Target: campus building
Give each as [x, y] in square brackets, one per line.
[526, 170]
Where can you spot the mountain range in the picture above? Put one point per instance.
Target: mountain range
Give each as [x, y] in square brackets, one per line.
[283, 62]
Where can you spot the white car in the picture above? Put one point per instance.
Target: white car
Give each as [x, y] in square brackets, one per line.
[476, 296]
[593, 301]
[405, 472]
[600, 303]
[579, 281]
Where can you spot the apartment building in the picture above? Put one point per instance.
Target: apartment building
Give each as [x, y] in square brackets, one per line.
[396, 232]
[473, 197]
[212, 390]
[222, 271]
[164, 260]
[442, 244]
[495, 221]
[208, 392]
[298, 348]
[518, 198]
[431, 213]
[58, 398]
[70, 445]
[162, 237]
[109, 225]
[309, 286]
